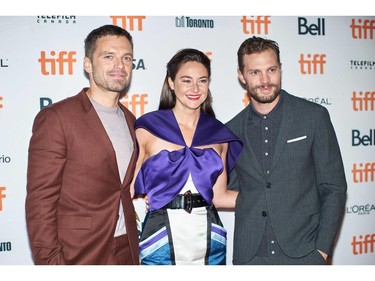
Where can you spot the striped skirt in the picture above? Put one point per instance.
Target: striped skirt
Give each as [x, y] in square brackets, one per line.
[175, 237]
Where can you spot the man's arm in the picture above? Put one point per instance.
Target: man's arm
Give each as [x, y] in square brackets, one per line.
[331, 182]
[47, 157]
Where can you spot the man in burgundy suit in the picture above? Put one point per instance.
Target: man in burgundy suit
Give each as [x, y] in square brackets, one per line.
[81, 161]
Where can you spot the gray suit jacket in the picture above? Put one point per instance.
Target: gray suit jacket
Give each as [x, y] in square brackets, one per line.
[305, 192]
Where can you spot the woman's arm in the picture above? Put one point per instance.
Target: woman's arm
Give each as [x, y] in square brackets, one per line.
[224, 198]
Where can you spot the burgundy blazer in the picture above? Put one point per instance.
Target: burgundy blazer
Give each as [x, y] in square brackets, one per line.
[73, 186]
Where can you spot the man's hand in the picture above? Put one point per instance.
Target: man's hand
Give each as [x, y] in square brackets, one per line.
[325, 256]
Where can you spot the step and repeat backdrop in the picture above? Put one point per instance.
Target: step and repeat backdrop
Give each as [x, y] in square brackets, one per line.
[329, 60]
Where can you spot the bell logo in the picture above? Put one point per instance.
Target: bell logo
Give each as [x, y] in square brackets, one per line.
[63, 59]
[312, 29]
[254, 24]
[363, 139]
[2, 196]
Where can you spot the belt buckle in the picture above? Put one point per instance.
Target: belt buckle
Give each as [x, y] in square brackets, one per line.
[188, 201]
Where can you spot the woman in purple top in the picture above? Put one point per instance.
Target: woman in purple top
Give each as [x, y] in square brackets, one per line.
[185, 156]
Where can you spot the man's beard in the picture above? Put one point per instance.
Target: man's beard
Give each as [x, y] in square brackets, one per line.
[112, 85]
[253, 94]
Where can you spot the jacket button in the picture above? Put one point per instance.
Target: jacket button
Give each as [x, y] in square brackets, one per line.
[268, 185]
[264, 214]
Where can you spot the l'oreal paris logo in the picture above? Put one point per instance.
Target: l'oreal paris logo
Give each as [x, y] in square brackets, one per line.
[365, 209]
[319, 100]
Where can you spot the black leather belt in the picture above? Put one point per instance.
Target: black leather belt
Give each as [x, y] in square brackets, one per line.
[187, 201]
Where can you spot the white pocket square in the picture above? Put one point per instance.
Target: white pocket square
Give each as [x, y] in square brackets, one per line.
[296, 139]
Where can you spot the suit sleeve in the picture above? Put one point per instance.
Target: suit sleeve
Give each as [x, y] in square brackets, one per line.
[233, 181]
[331, 182]
[46, 160]
[233, 177]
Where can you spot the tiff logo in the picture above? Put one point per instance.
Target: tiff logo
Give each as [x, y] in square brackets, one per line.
[363, 101]
[2, 196]
[312, 64]
[64, 58]
[1, 99]
[135, 103]
[363, 245]
[249, 25]
[245, 100]
[363, 30]
[128, 22]
[363, 172]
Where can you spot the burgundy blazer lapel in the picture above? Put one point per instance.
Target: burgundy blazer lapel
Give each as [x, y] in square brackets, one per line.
[130, 119]
[93, 122]
[130, 214]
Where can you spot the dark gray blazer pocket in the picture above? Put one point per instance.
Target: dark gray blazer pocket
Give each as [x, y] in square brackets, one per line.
[74, 222]
[296, 139]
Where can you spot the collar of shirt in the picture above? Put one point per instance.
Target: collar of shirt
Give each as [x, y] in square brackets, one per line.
[274, 116]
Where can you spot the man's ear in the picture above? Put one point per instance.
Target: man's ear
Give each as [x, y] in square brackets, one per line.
[240, 77]
[87, 65]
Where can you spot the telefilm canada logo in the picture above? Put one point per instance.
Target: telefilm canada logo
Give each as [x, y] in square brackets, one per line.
[56, 19]
[356, 64]
[190, 22]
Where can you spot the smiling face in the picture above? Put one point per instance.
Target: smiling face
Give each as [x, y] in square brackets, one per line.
[111, 65]
[261, 76]
[190, 85]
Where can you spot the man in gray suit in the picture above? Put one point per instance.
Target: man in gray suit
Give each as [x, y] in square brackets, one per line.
[290, 176]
